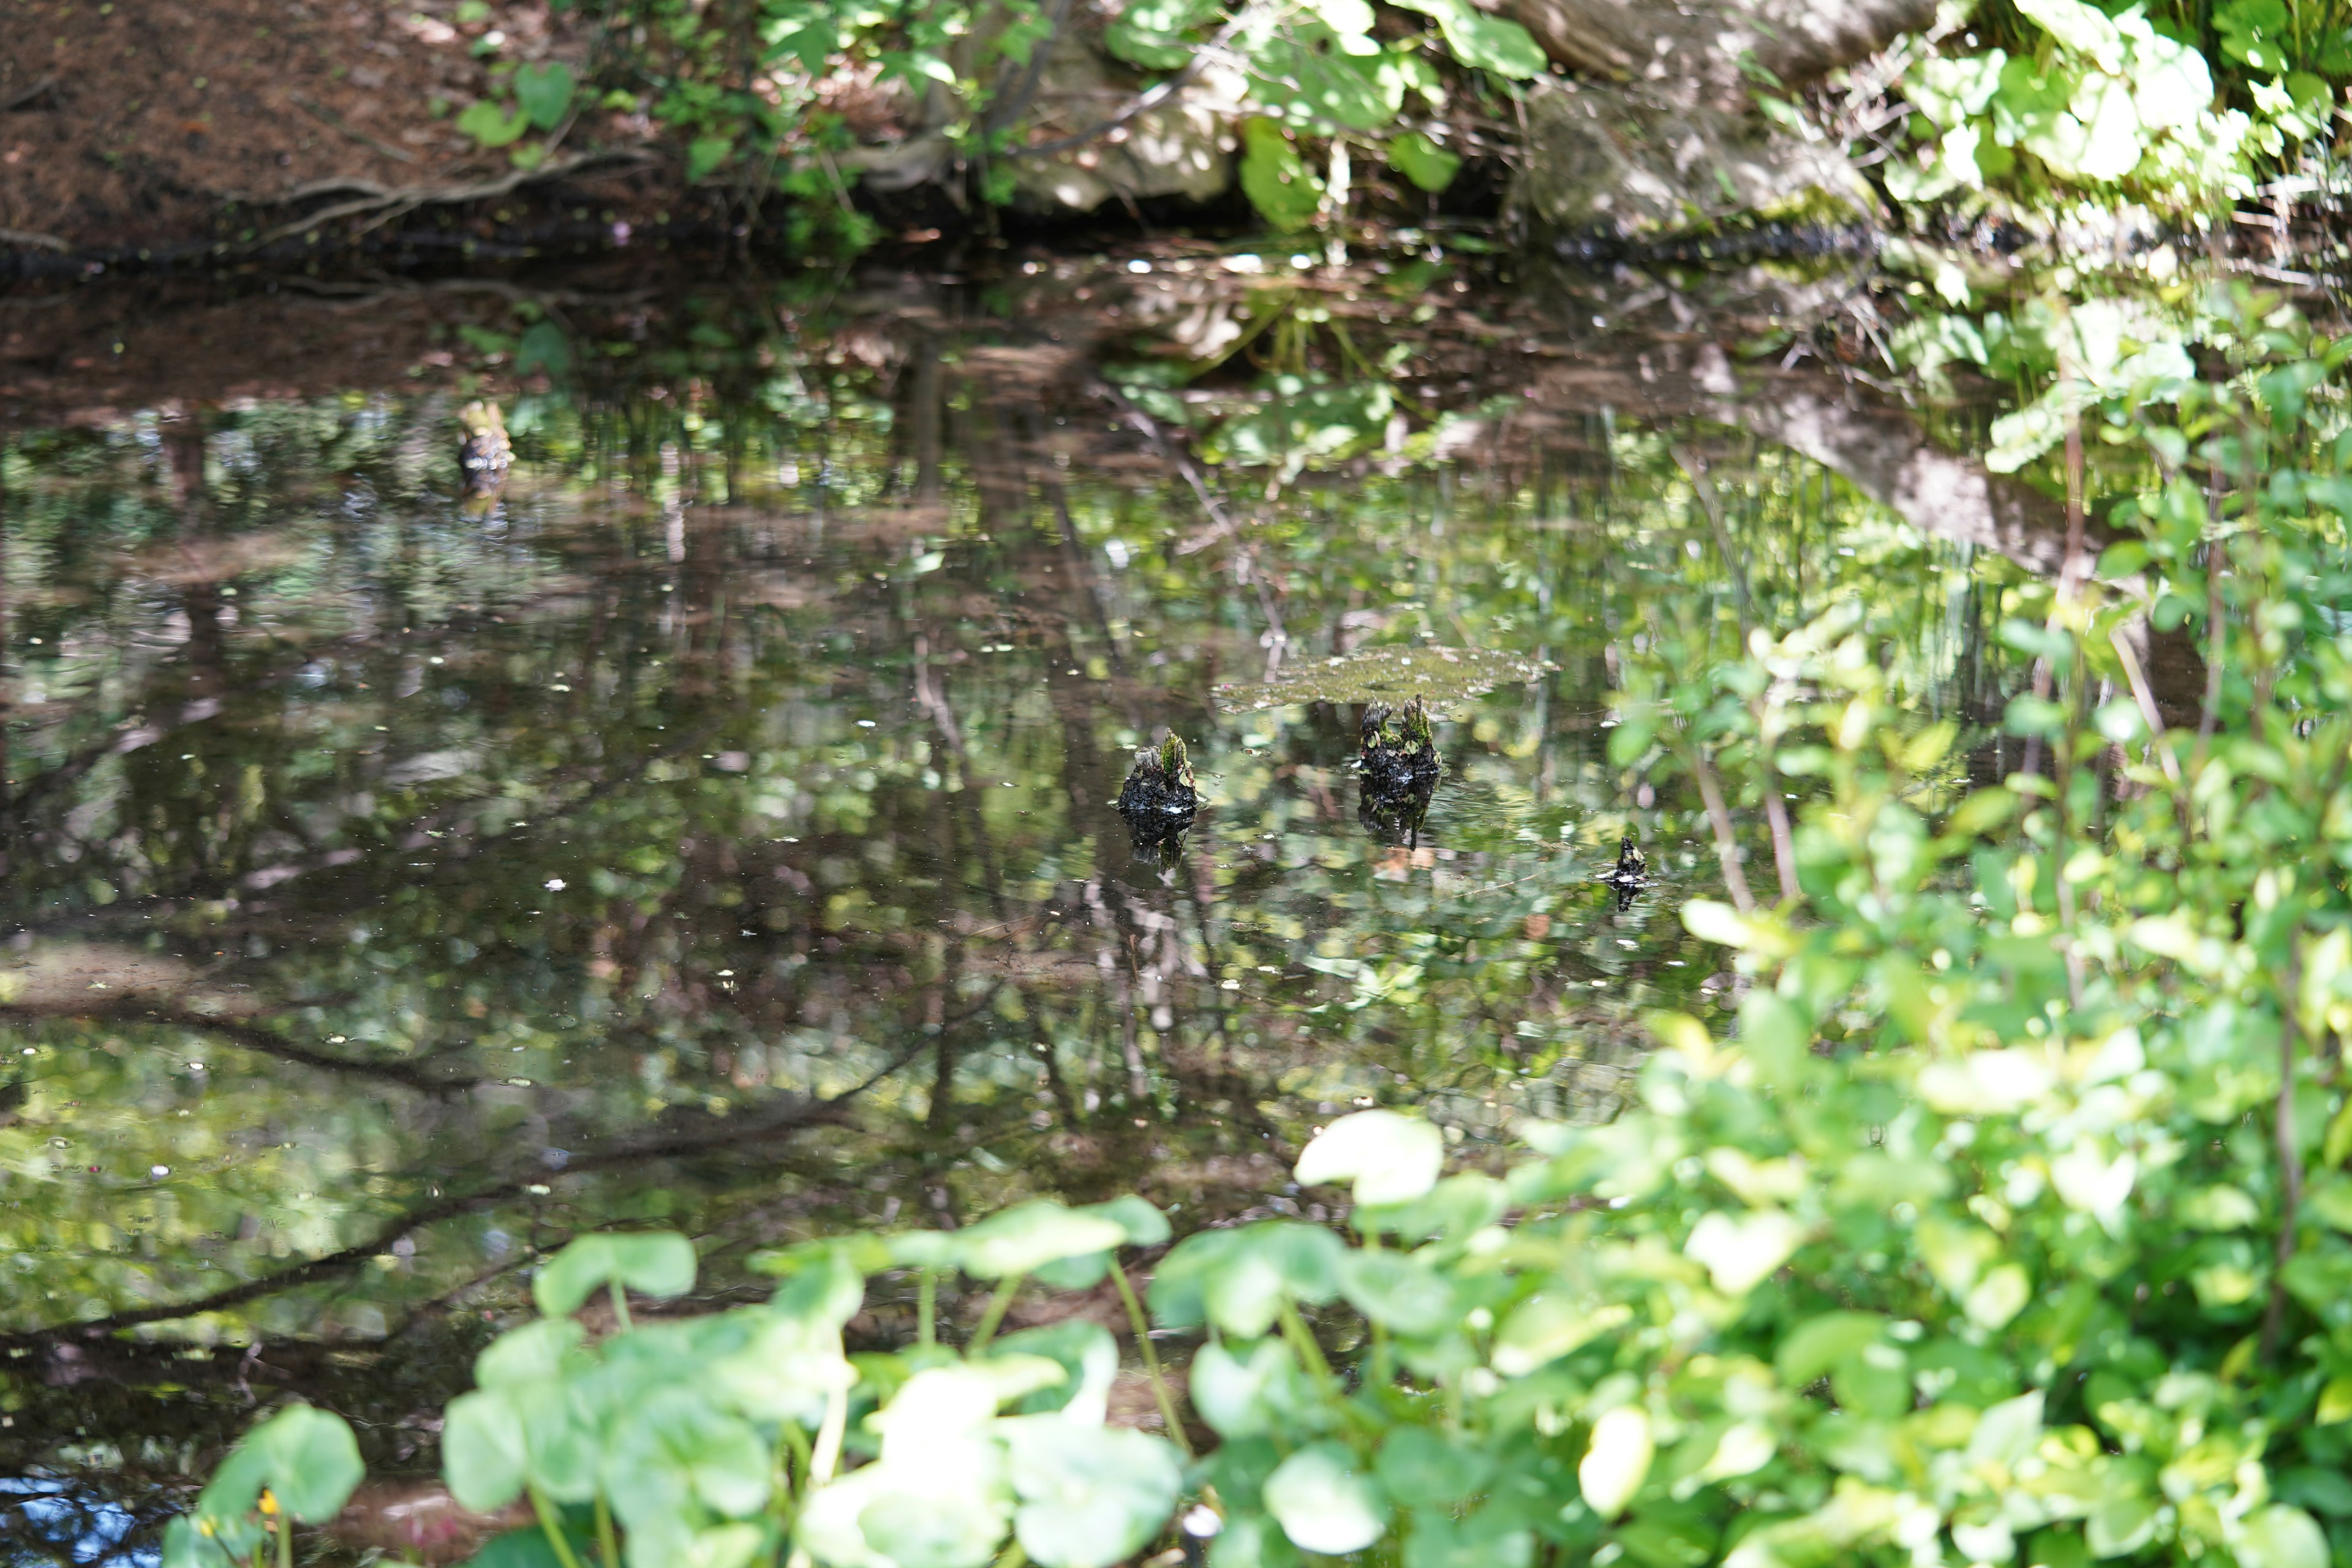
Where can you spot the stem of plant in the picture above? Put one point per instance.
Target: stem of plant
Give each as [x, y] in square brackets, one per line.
[620, 1306]
[1727, 846]
[552, 1525]
[926, 1308]
[994, 1315]
[829, 1434]
[284, 1538]
[1160, 1394]
[1294, 1329]
[2290, 1158]
[607, 1546]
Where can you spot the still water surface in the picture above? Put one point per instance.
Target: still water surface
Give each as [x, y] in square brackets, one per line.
[713, 827]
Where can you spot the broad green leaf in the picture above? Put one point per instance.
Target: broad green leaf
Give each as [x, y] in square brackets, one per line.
[304, 1457]
[1089, 1497]
[1148, 33]
[679, 1452]
[1424, 1470]
[544, 90]
[1238, 1279]
[705, 155]
[484, 1452]
[1422, 160]
[1027, 1236]
[1252, 1391]
[1616, 1461]
[1454, 1209]
[493, 125]
[2083, 28]
[1819, 1344]
[1402, 1294]
[657, 1263]
[1088, 1358]
[1741, 1253]
[1549, 1325]
[1483, 42]
[1391, 1158]
[2281, 1536]
[1274, 178]
[1324, 1503]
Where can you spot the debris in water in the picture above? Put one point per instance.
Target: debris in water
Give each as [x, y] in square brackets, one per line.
[1159, 797]
[485, 452]
[1444, 677]
[1399, 767]
[1632, 872]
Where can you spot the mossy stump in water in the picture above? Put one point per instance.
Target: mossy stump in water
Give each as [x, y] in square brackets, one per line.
[1399, 768]
[1159, 797]
[1632, 872]
[1400, 754]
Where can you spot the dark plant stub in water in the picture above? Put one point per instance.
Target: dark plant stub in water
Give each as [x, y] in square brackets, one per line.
[1630, 874]
[1399, 766]
[1159, 797]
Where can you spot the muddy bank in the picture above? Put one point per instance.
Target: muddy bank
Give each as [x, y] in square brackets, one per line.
[180, 126]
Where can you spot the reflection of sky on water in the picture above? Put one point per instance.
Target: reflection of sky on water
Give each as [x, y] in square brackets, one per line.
[49, 1523]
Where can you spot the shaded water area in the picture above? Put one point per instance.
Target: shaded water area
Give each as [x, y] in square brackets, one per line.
[713, 824]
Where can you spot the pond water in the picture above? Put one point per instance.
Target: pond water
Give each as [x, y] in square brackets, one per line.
[713, 824]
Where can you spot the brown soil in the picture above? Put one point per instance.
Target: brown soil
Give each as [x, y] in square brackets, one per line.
[127, 124]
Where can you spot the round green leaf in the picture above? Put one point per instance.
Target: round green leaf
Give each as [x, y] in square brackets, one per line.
[544, 92]
[483, 1450]
[1390, 1157]
[657, 1263]
[1089, 1496]
[1238, 1279]
[1324, 1503]
[2281, 1536]
[1027, 1236]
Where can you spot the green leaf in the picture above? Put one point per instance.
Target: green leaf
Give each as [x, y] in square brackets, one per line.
[1549, 1325]
[544, 90]
[1238, 1279]
[2281, 1536]
[1324, 1503]
[1426, 1469]
[1821, 1343]
[678, 1452]
[543, 347]
[657, 1263]
[1390, 1157]
[305, 1457]
[484, 1452]
[1149, 33]
[1274, 178]
[1090, 1495]
[1027, 1236]
[1251, 1393]
[493, 125]
[1483, 42]
[1423, 160]
[1089, 1357]
[1402, 1294]
[705, 155]
[1616, 1461]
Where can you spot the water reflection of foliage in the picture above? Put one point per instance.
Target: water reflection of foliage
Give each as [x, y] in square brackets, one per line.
[614, 807]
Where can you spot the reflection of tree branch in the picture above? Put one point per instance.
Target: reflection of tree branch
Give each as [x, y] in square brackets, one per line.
[792, 1118]
[249, 1037]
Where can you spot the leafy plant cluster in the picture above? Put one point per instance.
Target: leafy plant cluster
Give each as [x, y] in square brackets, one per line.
[767, 93]
[2076, 98]
[2011, 1225]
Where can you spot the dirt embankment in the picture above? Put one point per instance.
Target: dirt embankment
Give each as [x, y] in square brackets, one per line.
[175, 126]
